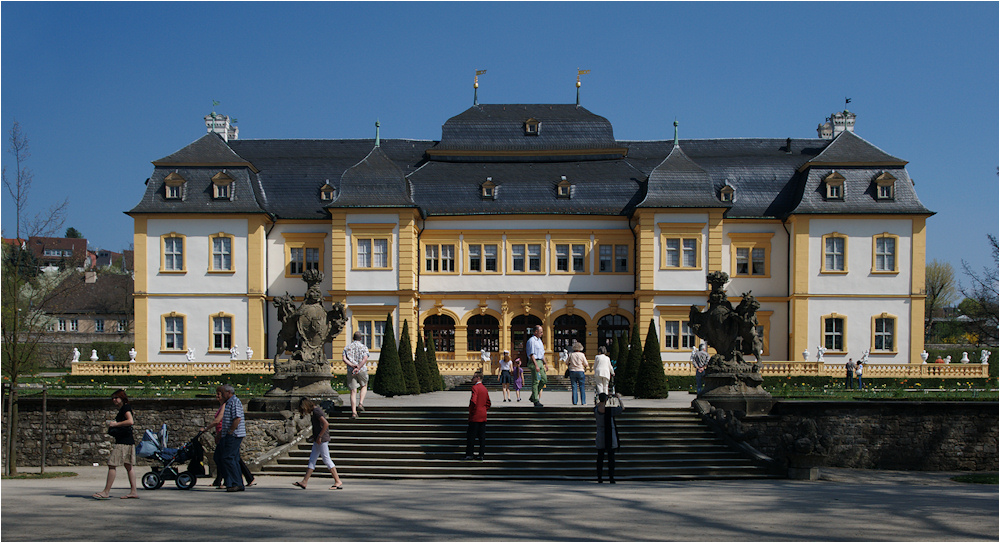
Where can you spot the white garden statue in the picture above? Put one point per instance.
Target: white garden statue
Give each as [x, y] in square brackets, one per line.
[484, 355]
[820, 351]
[864, 357]
[805, 354]
[234, 353]
[947, 359]
[76, 354]
[93, 355]
[965, 357]
[249, 353]
[131, 354]
[985, 356]
[190, 354]
[924, 356]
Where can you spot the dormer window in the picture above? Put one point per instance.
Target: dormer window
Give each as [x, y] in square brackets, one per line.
[173, 186]
[222, 186]
[326, 192]
[834, 186]
[531, 127]
[885, 187]
[563, 188]
[726, 194]
[488, 190]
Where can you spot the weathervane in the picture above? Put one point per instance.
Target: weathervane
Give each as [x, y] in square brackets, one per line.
[846, 101]
[475, 87]
[579, 72]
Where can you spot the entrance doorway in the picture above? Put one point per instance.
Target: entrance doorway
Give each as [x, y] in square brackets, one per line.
[521, 328]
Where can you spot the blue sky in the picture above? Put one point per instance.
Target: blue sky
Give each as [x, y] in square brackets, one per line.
[103, 89]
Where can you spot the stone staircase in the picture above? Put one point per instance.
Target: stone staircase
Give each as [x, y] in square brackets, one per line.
[521, 443]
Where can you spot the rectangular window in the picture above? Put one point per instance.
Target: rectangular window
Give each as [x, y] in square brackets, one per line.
[475, 258]
[742, 261]
[605, 256]
[534, 257]
[579, 254]
[490, 257]
[122, 325]
[690, 253]
[173, 332]
[447, 258]
[751, 261]
[439, 258]
[834, 254]
[884, 334]
[303, 252]
[517, 258]
[62, 325]
[173, 254]
[222, 333]
[371, 253]
[99, 325]
[562, 257]
[885, 254]
[672, 247]
[222, 190]
[365, 327]
[364, 253]
[302, 259]
[74, 325]
[378, 332]
[173, 192]
[222, 257]
[380, 253]
[671, 335]
[688, 339]
[885, 192]
[482, 257]
[431, 258]
[621, 258]
[833, 334]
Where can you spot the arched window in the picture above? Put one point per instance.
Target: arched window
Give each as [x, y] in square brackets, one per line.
[566, 329]
[521, 328]
[440, 328]
[610, 326]
[483, 331]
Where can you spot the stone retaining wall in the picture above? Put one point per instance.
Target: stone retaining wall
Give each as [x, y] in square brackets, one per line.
[928, 436]
[77, 431]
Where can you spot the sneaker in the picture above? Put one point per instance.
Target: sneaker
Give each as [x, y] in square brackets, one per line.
[468, 457]
[539, 404]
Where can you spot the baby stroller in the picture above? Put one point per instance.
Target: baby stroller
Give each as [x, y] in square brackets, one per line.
[155, 446]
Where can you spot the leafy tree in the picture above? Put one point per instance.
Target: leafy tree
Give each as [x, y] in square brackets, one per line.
[406, 361]
[981, 303]
[939, 279]
[423, 369]
[628, 369]
[73, 233]
[432, 366]
[651, 382]
[390, 373]
[25, 295]
[21, 258]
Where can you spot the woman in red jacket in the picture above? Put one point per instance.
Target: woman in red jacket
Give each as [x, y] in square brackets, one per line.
[478, 405]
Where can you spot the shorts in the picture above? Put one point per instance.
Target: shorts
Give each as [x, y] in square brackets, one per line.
[122, 454]
[505, 377]
[355, 380]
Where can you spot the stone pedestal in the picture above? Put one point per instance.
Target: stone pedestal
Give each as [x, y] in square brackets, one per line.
[805, 466]
[737, 392]
[288, 388]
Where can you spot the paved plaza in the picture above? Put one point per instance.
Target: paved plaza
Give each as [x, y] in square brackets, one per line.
[846, 505]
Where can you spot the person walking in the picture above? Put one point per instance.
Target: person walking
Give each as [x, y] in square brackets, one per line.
[217, 431]
[607, 435]
[603, 372]
[356, 358]
[536, 363]
[505, 376]
[518, 375]
[850, 368]
[699, 359]
[478, 405]
[320, 443]
[234, 430]
[577, 365]
[123, 450]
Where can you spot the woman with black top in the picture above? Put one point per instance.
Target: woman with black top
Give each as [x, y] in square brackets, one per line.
[607, 434]
[320, 443]
[123, 450]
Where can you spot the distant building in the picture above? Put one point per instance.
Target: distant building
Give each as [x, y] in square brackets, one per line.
[88, 307]
[525, 214]
[59, 252]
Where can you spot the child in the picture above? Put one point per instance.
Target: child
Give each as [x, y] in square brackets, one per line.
[518, 375]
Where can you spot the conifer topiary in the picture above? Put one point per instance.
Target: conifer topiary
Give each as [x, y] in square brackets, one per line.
[406, 361]
[423, 370]
[390, 374]
[650, 381]
[432, 366]
[628, 369]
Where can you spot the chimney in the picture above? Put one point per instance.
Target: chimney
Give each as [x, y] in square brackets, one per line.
[222, 125]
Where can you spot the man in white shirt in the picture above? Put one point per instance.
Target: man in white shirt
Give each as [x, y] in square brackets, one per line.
[536, 358]
[356, 358]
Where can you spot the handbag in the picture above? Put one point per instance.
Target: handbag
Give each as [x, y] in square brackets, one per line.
[566, 373]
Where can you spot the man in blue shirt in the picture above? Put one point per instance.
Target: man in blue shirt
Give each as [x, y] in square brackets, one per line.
[233, 431]
[536, 358]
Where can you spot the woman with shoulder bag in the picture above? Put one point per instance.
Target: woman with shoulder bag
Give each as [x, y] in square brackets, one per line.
[607, 434]
[123, 450]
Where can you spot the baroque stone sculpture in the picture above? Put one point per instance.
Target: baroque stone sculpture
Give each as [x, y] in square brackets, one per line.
[76, 354]
[731, 382]
[93, 355]
[132, 354]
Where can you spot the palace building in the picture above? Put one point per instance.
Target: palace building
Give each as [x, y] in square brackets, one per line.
[525, 214]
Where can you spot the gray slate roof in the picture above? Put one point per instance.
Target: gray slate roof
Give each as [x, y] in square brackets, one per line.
[679, 182]
[859, 193]
[376, 181]
[849, 148]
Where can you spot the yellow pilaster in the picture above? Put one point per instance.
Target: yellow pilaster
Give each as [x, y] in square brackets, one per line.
[407, 251]
[798, 330]
[644, 312]
[338, 271]
[141, 302]
[461, 342]
[715, 240]
[256, 284]
[918, 289]
[645, 249]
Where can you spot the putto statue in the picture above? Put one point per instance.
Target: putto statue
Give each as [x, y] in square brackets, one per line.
[731, 381]
[76, 354]
[306, 329]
